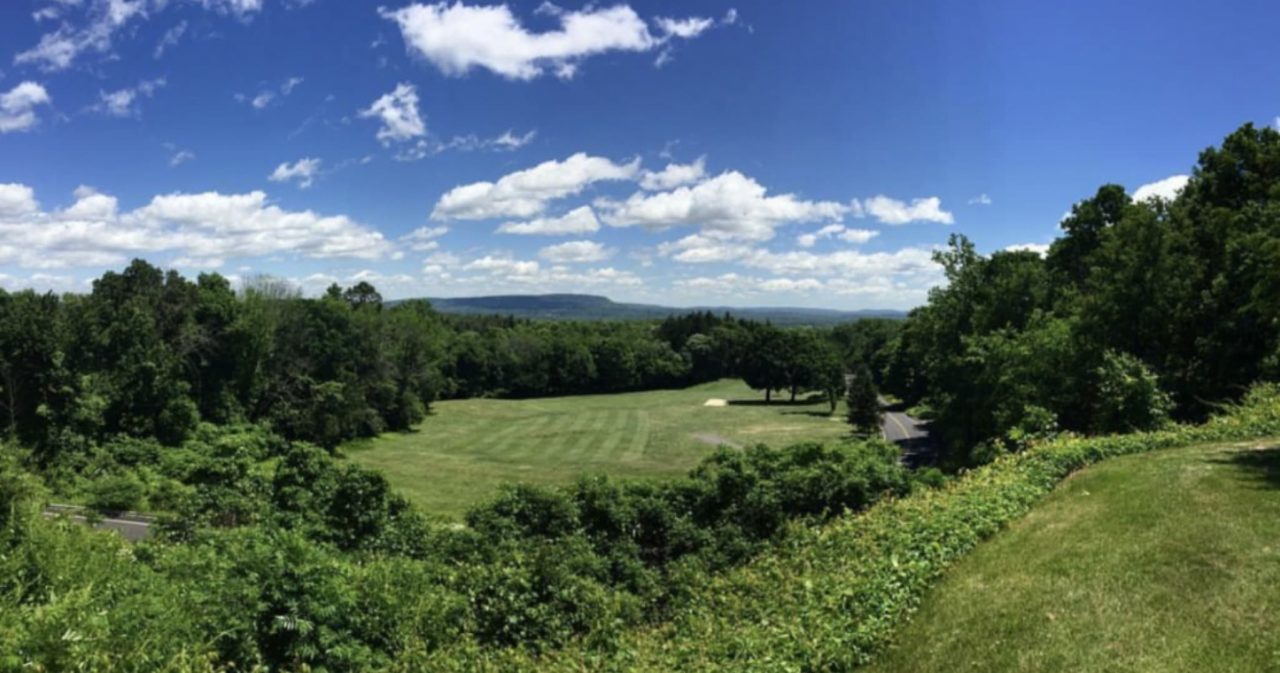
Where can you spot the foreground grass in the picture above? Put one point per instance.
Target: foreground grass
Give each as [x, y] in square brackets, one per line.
[1167, 561]
[460, 455]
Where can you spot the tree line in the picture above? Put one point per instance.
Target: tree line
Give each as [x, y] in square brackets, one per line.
[149, 353]
[1140, 312]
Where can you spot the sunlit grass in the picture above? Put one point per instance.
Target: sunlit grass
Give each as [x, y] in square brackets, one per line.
[460, 454]
[1166, 561]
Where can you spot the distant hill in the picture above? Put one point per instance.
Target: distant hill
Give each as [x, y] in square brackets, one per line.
[594, 307]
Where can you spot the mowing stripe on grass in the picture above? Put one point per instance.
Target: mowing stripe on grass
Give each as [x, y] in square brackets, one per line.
[639, 439]
[582, 448]
[524, 433]
[620, 421]
[569, 436]
[488, 445]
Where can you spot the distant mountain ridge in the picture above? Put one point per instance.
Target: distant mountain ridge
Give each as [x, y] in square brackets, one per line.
[596, 307]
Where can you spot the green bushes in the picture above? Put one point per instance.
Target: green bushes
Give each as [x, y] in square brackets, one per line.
[759, 560]
[827, 597]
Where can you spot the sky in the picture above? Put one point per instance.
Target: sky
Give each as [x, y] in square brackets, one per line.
[682, 153]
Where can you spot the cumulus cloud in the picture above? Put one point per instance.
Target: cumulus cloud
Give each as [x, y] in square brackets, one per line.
[893, 211]
[398, 112]
[581, 220]
[457, 37]
[839, 231]
[422, 239]
[980, 200]
[16, 200]
[303, 171]
[730, 205]
[18, 106]
[124, 102]
[1166, 189]
[526, 193]
[674, 175]
[575, 252]
[204, 229]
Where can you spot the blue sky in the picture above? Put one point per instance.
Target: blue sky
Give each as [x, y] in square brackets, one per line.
[741, 153]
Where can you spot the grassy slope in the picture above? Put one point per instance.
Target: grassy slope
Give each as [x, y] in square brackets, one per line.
[1168, 561]
[467, 448]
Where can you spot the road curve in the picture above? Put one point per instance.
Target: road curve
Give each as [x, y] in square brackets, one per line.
[912, 434]
[132, 526]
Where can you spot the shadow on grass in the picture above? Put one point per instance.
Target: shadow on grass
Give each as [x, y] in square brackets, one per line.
[814, 414]
[799, 402]
[1263, 464]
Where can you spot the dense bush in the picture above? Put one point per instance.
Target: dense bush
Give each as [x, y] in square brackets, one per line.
[828, 597]
[318, 564]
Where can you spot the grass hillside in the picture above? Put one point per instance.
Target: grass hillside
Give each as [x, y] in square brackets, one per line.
[1168, 561]
[460, 454]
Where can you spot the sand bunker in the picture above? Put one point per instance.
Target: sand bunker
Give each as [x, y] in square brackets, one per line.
[715, 402]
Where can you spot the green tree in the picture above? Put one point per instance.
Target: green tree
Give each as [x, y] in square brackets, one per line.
[864, 403]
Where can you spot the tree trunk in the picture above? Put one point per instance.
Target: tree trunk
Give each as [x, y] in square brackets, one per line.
[768, 393]
[793, 394]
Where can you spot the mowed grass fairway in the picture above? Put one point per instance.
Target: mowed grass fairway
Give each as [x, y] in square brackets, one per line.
[466, 448]
[1168, 561]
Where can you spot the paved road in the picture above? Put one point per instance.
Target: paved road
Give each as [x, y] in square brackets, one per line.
[130, 525]
[912, 434]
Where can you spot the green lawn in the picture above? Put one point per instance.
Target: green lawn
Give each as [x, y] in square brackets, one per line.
[1167, 561]
[466, 448]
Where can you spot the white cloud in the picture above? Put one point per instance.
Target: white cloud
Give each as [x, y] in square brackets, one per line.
[240, 8]
[18, 106]
[303, 170]
[575, 252]
[730, 205]
[123, 103]
[674, 175]
[265, 97]
[1038, 248]
[684, 28]
[181, 157]
[457, 37]
[844, 263]
[1166, 189]
[980, 200]
[422, 238]
[201, 229]
[526, 193]
[59, 49]
[700, 249]
[856, 236]
[504, 266]
[893, 211]
[16, 200]
[171, 38]
[510, 141]
[398, 112]
[581, 220]
[98, 23]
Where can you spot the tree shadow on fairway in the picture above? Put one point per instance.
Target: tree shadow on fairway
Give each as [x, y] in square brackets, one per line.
[1263, 464]
[814, 414]
[783, 401]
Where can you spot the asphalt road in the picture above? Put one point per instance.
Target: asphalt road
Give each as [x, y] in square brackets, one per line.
[131, 525]
[912, 434]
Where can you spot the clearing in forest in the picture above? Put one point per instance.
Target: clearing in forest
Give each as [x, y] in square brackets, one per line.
[466, 448]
